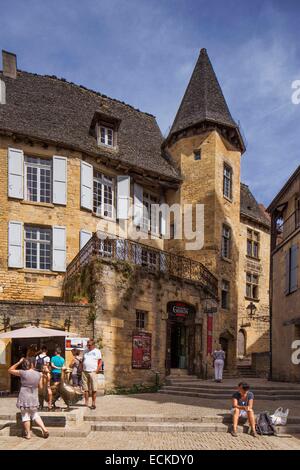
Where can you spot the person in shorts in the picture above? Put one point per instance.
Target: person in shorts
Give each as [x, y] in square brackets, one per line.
[92, 361]
[57, 363]
[242, 407]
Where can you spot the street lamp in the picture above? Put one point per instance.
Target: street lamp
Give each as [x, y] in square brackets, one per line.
[251, 309]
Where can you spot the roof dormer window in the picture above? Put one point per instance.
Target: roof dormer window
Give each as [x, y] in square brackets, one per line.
[105, 136]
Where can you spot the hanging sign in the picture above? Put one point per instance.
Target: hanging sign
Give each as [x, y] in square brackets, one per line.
[180, 310]
[141, 350]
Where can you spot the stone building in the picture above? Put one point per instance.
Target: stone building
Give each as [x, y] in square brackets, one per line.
[74, 164]
[284, 283]
[254, 269]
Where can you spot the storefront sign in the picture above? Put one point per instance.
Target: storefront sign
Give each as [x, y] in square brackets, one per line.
[180, 310]
[209, 333]
[76, 343]
[141, 350]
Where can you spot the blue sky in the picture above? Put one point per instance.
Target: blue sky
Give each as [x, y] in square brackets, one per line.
[143, 52]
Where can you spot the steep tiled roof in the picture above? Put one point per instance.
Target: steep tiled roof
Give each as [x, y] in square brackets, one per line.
[250, 207]
[61, 112]
[203, 99]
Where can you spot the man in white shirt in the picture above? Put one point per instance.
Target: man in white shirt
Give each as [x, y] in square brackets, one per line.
[92, 361]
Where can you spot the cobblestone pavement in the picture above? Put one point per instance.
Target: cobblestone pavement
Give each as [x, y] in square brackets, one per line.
[153, 441]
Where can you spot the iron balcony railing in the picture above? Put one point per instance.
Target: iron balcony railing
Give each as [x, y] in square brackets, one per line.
[287, 227]
[149, 258]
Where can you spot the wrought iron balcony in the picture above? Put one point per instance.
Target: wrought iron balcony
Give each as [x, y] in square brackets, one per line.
[149, 258]
[286, 228]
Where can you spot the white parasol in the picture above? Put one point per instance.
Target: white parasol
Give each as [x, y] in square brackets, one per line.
[35, 332]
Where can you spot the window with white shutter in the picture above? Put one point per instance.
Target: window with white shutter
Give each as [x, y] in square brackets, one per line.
[84, 237]
[15, 244]
[123, 190]
[86, 186]
[15, 173]
[60, 180]
[59, 248]
[37, 247]
[138, 205]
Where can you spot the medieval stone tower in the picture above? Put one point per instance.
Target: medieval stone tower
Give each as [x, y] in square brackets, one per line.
[206, 144]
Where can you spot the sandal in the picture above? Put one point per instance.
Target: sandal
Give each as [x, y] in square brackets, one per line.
[45, 434]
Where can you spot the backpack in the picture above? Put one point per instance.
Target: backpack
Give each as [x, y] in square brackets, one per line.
[40, 363]
[264, 425]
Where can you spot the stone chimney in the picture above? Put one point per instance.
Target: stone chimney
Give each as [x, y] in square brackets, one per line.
[9, 64]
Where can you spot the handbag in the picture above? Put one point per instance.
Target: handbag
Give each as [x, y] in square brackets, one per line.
[279, 417]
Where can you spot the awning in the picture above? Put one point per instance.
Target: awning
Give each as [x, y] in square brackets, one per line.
[35, 332]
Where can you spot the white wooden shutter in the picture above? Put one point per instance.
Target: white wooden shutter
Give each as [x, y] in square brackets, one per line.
[59, 248]
[86, 186]
[123, 186]
[84, 237]
[2, 92]
[15, 173]
[138, 205]
[15, 244]
[60, 180]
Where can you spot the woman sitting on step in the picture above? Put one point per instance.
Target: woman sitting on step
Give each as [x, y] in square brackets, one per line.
[242, 407]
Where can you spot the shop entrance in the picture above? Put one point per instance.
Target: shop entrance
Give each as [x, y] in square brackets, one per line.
[20, 346]
[180, 351]
[178, 346]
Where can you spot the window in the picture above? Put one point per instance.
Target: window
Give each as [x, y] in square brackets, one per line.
[227, 181]
[252, 243]
[226, 242]
[149, 221]
[225, 294]
[291, 269]
[106, 136]
[38, 179]
[37, 248]
[140, 319]
[103, 195]
[252, 286]
[197, 154]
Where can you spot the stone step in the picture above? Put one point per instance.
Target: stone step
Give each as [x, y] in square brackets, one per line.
[221, 418]
[184, 426]
[174, 391]
[219, 390]
[223, 386]
[82, 430]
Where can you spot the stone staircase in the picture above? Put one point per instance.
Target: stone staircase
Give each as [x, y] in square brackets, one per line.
[191, 386]
[79, 423]
[242, 371]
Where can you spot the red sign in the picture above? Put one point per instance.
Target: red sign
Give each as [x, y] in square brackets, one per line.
[209, 333]
[141, 350]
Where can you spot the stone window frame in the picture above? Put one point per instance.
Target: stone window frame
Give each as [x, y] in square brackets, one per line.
[252, 286]
[101, 183]
[225, 288]
[228, 181]
[252, 243]
[141, 318]
[147, 225]
[226, 245]
[38, 242]
[38, 163]
[106, 135]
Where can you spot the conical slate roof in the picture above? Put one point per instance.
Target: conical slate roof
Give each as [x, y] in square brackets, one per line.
[203, 99]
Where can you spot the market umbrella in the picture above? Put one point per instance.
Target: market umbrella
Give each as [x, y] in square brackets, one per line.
[35, 332]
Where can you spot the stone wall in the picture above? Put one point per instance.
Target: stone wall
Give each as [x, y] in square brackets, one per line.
[256, 331]
[203, 184]
[261, 364]
[118, 290]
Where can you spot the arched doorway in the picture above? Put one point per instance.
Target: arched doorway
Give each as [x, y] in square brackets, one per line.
[241, 344]
[180, 341]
